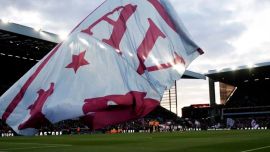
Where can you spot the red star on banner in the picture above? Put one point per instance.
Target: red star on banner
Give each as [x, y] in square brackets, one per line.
[77, 61]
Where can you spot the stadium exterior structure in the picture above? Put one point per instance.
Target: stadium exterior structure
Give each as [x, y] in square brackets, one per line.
[248, 93]
[21, 47]
[244, 94]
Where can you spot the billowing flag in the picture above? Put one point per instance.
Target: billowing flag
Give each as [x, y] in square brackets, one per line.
[148, 34]
[114, 67]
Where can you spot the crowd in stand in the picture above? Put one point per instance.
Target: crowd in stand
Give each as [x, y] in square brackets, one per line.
[250, 95]
[253, 123]
[153, 125]
[4, 128]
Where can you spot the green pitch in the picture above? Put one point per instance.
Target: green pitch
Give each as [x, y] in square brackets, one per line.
[203, 141]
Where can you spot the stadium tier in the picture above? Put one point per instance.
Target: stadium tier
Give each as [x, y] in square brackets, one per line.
[244, 94]
[245, 91]
[244, 97]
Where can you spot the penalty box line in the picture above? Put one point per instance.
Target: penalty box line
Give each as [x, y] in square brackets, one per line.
[29, 143]
[34, 147]
[255, 149]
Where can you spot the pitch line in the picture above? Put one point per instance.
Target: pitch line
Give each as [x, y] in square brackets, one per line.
[29, 143]
[256, 149]
[37, 147]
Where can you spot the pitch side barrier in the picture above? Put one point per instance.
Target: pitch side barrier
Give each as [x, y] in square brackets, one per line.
[50, 133]
[45, 133]
[7, 134]
[246, 111]
[59, 133]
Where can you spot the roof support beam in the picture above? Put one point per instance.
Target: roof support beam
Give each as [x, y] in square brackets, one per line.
[212, 92]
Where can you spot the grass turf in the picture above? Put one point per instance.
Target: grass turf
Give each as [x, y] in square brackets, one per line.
[203, 141]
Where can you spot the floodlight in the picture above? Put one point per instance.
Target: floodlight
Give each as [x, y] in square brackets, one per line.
[63, 36]
[250, 65]
[233, 67]
[5, 21]
[38, 28]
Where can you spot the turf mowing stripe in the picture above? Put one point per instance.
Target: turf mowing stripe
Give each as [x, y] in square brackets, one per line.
[256, 149]
[29, 143]
[3, 150]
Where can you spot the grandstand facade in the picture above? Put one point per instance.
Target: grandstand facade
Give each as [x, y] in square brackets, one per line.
[245, 91]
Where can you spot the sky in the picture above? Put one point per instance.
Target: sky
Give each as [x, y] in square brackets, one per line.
[231, 32]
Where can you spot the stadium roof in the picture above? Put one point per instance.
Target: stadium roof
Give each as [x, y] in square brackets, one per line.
[30, 32]
[21, 47]
[241, 74]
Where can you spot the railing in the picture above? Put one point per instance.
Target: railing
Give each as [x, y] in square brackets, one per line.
[259, 110]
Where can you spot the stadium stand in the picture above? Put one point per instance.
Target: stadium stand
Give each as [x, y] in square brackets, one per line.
[250, 96]
[249, 100]
[244, 99]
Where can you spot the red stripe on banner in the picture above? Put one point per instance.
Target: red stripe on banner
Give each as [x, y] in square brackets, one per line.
[177, 60]
[146, 46]
[86, 17]
[102, 103]
[119, 26]
[129, 106]
[37, 118]
[13, 104]
[162, 12]
[166, 17]
[101, 119]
